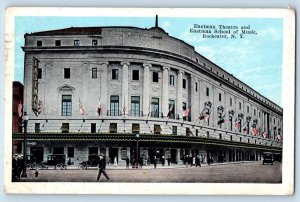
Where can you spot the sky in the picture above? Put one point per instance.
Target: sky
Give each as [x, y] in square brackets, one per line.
[255, 59]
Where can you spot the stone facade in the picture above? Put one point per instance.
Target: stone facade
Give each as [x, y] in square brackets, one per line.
[145, 64]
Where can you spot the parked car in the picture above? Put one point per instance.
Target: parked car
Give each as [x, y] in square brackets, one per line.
[57, 160]
[93, 161]
[268, 158]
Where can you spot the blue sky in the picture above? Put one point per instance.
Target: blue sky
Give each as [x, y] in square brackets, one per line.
[255, 59]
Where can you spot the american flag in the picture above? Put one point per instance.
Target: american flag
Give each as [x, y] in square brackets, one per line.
[207, 117]
[20, 107]
[186, 112]
[81, 109]
[41, 107]
[254, 131]
[99, 109]
[236, 124]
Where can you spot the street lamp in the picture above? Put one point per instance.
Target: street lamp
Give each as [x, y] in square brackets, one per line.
[137, 136]
[25, 121]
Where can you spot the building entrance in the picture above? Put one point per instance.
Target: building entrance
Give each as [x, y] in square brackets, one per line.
[113, 155]
[37, 153]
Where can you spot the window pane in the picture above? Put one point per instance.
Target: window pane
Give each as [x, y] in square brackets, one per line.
[114, 74]
[154, 107]
[94, 73]
[135, 75]
[135, 106]
[155, 77]
[67, 73]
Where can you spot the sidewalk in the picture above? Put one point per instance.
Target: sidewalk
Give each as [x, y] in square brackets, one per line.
[159, 166]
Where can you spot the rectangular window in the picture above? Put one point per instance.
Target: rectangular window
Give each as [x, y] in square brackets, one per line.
[135, 106]
[230, 102]
[113, 128]
[155, 107]
[39, 43]
[220, 136]
[157, 129]
[135, 128]
[174, 130]
[93, 127]
[93, 150]
[114, 105]
[67, 73]
[247, 109]
[188, 132]
[39, 76]
[155, 77]
[135, 75]
[76, 42]
[57, 42]
[71, 152]
[37, 127]
[240, 105]
[115, 74]
[65, 127]
[184, 83]
[94, 42]
[220, 97]
[172, 80]
[66, 105]
[197, 132]
[196, 86]
[207, 91]
[254, 112]
[171, 113]
[94, 73]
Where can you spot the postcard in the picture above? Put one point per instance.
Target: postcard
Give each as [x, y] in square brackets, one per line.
[182, 101]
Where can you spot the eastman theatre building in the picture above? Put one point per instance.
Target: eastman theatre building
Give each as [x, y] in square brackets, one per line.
[127, 90]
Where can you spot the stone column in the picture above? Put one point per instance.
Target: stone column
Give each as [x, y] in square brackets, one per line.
[104, 96]
[124, 100]
[146, 89]
[179, 162]
[235, 155]
[165, 91]
[179, 94]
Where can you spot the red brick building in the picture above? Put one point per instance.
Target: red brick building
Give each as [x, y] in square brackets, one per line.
[18, 89]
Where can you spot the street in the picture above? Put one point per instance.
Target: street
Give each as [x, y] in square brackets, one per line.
[242, 172]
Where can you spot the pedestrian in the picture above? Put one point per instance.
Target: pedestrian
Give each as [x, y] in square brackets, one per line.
[197, 161]
[141, 162]
[148, 161]
[193, 161]
[127, 162]
[187, 161]
[169, 160]
[101, 168]
[155, 162]
[200, 160]
[208, 160]
[115, 161]
[163, 161]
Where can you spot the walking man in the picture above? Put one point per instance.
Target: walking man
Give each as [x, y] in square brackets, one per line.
[155, 162]
[127, 162]
[101, 168]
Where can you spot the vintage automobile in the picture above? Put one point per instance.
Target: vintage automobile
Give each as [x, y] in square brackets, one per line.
[57, 160]
[92, 161]
[267, 158]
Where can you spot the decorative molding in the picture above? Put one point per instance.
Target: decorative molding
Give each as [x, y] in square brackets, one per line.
[135, 87]
[147, 65]
[114, 86]
[65, 87]
[125, 63]
[172, 91]
[155, 89]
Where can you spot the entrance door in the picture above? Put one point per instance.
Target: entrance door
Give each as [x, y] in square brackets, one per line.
[113, 155]
[38, 153]
[173, 155]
